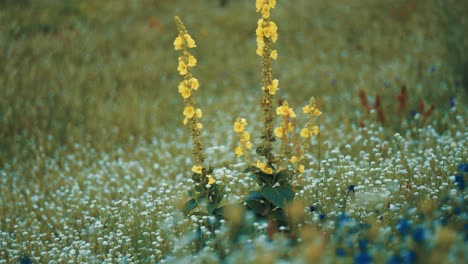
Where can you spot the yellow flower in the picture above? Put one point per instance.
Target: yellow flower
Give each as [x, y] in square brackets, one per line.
[248, 145]
[272, 3]
[301, 169]
[279, 132]
[245, 136]
[197, 169]
[285, 110]
[264, 167]
[182, 68]
[273, 31]
[198, 113]
[305, 133]
[239, 125]
[189, 112]
[306, 109]
[184, 91]
[199, 126]
[185, 121]
[211, 180]
[314, 130]
[265, 11]
[178, 43]
[239, 151]
[274, 54]
[194, 83]
[190, 41]
[258, 5]
[294, 159]
[317, 112]
[273, 87]
[192, 61]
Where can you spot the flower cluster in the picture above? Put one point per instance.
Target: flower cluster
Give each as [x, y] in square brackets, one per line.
[192, 115]
[266, 29]
[312, 111]
[244, 136]
[287, 126]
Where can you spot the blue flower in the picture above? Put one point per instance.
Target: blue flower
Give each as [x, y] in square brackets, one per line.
[403, 226]
[452, 102]
[362, 258]
[463, 167]
[460, 182]
[457, 210]
[408, 257]
[321, 216]
[351, 188]
[312, 208]
[340, 252]
[419, 234]
[363, 244]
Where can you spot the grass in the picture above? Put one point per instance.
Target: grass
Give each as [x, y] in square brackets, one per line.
[95, 162]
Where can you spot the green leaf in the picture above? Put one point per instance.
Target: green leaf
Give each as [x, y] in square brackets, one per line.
[189, 206]
[211, 207]
[278, 195]
[250, 169]
[283, 175]
[260, 206]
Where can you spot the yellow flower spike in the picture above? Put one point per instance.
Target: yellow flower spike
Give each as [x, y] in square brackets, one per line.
[239, 151]
[189, 112]
[197, 169]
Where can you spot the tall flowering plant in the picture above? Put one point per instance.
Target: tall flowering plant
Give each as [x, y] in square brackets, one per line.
[206, 190]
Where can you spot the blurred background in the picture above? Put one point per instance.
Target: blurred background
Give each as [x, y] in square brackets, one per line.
[104, 72]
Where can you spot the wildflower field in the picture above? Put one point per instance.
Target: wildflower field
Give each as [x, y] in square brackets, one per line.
[239, 131]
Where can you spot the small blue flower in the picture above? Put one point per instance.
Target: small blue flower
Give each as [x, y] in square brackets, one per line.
[351, 188]
[312, 208]
[403, 226]
[452, 102]
[340, 252]
[419, 234]
[362, 258]
[321, 216]
[457, 211]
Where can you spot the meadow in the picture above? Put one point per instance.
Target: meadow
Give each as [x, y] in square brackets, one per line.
[96, 164]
